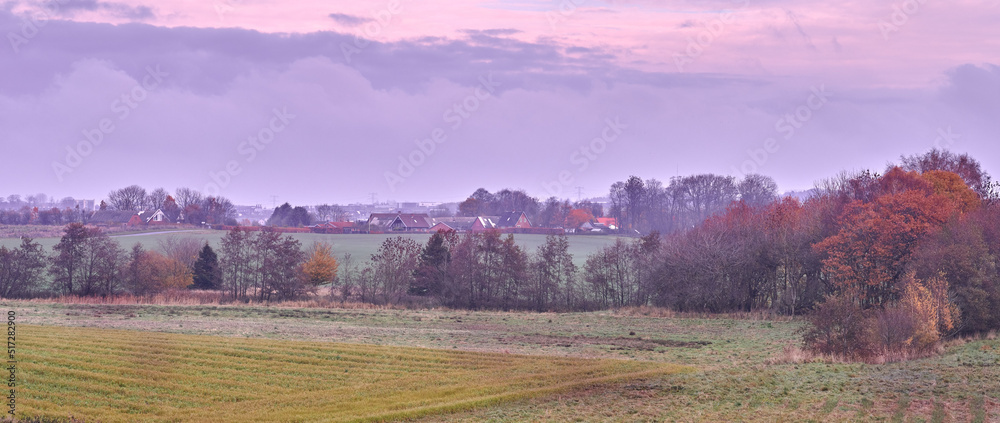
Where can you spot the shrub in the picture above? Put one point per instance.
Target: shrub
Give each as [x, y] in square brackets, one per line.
[840, 327]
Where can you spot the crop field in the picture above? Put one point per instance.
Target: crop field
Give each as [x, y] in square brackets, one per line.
[686, 368]
[360, 246]
[114, 375]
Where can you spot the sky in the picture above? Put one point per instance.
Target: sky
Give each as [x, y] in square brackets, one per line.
[315, 102]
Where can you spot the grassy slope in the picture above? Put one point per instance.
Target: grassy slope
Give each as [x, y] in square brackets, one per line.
[736, 378]
[114, 375]
[360, 246]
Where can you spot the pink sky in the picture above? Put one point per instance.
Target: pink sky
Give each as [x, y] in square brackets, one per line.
[701, 84]
[838, 41]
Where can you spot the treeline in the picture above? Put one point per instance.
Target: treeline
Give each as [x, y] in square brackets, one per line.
[887, 262]
[184, 206]
[253, 265]
[86, 262]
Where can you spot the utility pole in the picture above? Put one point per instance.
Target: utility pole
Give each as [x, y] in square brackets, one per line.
[274, 201]
[579, 194]
[373, 198]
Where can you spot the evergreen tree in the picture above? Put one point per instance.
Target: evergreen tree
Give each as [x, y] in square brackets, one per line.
[207, 274]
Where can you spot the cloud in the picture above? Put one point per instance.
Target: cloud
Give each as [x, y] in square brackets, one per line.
[354, 120]
[349, 20]
[70, 8]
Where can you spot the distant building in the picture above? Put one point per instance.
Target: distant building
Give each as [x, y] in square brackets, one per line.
[335, 228]
[399, 222]
[463, 224]
[124, 218]
[514, 219]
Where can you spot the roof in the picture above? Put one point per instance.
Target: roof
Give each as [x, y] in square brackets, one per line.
[509, 219]
[456, 223]
[112, 216]
[409, 220]
[610, 222]
[337, 225]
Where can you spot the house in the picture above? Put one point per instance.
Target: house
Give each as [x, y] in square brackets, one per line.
[610, 222]
[126, 218]
[399, 222]
[463, 224]
[335, 228]
[513, 220]
[109, 218]
[153, 217]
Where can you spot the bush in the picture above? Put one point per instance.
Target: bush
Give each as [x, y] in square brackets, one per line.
[840, 327]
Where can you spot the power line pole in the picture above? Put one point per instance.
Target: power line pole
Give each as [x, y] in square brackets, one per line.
[373, 198]
[274, 201]
[579, 193]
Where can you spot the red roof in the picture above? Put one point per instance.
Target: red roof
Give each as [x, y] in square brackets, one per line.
[336, 225]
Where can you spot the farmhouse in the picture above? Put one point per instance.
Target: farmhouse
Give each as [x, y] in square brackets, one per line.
[513, 220]
[399, 222]
[112, 218]
[335, 228]
[463, 224]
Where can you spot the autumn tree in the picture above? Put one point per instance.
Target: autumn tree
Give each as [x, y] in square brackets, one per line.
[869, 254]
[578, 217]
[320, 266]
[963, 165]
[150, 272]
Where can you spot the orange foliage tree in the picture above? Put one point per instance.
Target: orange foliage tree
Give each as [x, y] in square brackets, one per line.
[321, 267]
[578, 217]
[868, 256]
[951, 186]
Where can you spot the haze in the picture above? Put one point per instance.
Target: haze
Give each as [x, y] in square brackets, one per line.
[319, 102]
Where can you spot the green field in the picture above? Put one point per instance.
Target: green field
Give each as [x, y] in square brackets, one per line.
[360, 246]
[113, 375]
[739, 371]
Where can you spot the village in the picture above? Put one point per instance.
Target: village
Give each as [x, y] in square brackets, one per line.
[514, 222]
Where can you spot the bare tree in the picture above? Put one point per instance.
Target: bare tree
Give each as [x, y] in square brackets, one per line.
[156, 198]
[188, 197]
[130, 198]
[757, 190]
[21, 268]
[183, 249]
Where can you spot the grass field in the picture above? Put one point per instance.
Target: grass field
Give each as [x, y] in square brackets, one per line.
[360, 246]
[113, 375]
[739, 371]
